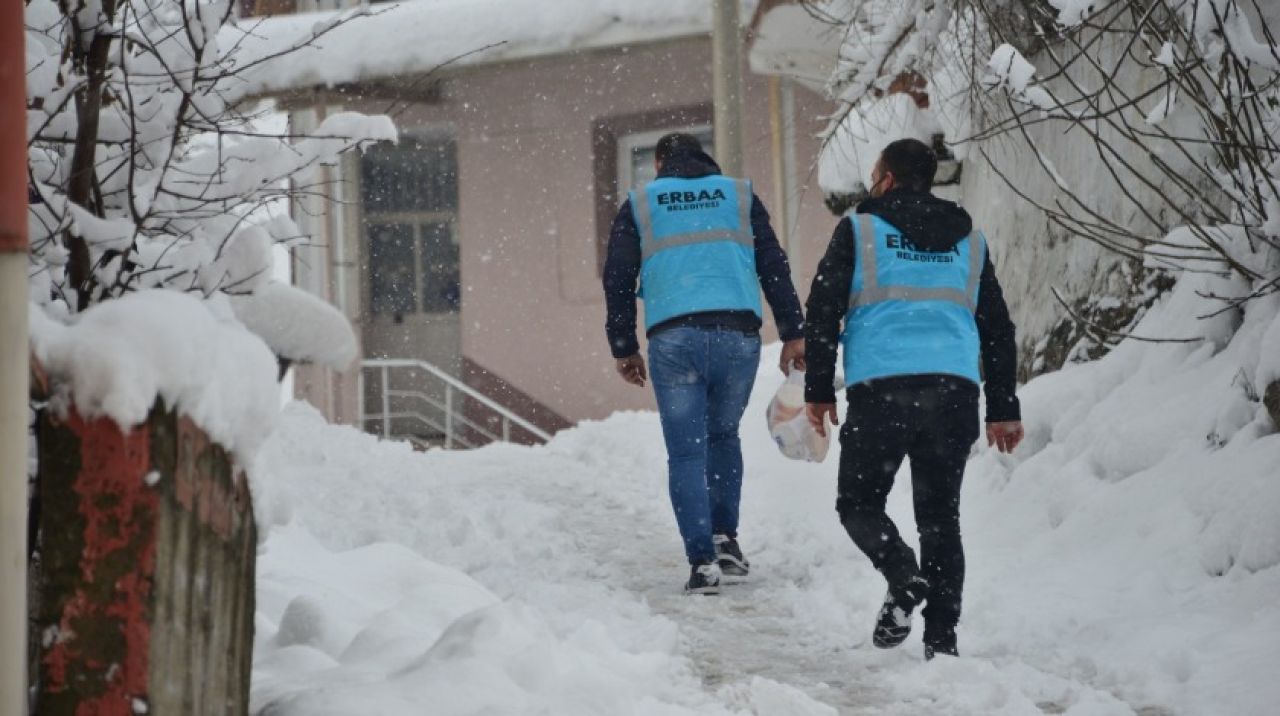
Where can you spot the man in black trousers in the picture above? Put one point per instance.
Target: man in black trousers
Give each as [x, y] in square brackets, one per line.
[915, 288]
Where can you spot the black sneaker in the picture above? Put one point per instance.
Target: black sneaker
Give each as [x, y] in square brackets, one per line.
[893, 623]
[729, 555]
[703, 579]
[939, 641]
[944, 649]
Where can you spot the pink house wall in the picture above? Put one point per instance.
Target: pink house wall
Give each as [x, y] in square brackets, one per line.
[532, 307]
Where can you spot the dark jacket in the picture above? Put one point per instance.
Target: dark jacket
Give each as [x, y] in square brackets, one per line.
[932, 224]
[622, 270]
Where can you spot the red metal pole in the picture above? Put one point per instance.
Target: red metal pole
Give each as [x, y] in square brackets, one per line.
[13, 359]
[13, 130]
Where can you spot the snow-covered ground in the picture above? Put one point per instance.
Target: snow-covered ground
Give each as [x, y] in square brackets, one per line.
[1123, 561]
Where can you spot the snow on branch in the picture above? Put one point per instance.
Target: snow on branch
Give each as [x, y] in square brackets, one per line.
[1009, 70]
[297, 325]
[144, 166]
[1179, 100]
[149, 169]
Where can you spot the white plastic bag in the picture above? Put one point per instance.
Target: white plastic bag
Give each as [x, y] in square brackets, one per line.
[789, 425]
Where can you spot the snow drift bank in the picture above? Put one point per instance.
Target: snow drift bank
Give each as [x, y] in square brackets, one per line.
[358, 614]
[1123, 561]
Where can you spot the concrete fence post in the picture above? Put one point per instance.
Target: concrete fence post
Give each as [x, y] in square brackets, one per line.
[146, 581]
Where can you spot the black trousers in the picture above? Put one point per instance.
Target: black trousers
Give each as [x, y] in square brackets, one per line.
[933, 421]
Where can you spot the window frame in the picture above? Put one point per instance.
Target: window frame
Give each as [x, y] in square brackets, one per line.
[416, 218]
[628, 143]
[606, 132]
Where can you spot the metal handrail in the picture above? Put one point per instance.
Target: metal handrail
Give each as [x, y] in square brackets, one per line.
[425, 421]
[468, 422]
[384, 365]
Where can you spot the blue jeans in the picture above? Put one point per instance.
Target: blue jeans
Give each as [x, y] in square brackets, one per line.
[703, 378]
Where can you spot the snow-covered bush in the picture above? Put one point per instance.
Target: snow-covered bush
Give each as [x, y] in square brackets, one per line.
[151, 167]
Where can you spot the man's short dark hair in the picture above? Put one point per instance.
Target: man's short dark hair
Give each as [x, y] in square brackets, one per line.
[674, 144]
[912, 164]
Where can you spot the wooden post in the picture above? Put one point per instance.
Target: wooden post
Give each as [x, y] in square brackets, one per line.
[147, 576]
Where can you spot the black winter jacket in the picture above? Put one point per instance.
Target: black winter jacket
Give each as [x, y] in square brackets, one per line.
[622, 270]
[932, 224]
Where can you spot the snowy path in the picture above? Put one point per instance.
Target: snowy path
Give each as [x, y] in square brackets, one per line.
[548, 580]
[629, 541]
[729, 638]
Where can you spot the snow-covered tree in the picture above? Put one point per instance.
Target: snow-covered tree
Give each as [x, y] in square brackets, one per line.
[1176, 101]
[152, 166]
[1176, 104]
[1216, 167]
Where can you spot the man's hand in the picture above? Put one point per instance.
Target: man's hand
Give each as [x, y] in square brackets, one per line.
[632, 370]
[1005, 436]
[792, 356]
[819, 413]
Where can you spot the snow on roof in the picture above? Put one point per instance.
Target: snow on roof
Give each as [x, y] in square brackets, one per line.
[415, 37]
[790, 40]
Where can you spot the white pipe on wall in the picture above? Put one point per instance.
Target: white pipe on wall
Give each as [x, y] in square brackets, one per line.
[14, 373]
[790, 182]
[726, 84]
[14, 367]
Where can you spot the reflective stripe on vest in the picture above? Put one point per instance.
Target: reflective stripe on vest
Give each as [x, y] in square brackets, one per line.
[872, 292]
[651, 243]
[911, 312]
[697, 249]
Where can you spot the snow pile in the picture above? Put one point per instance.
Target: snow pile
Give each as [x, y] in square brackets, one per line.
[429, 635]
[417, 37]
[1125, 560]
[358, 615]
[119, 356]
[1136, 529]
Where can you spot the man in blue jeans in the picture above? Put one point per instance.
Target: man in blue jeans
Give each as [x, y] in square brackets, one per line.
[701, 247]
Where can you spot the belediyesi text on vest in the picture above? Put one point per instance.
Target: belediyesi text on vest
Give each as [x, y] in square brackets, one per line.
[689, 200]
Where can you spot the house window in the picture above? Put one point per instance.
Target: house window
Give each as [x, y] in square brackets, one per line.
[622, 156]
[636, 154]
[409, 192]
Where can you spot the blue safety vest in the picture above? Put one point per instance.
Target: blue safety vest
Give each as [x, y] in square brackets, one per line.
[697, 250]
[911, 312]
